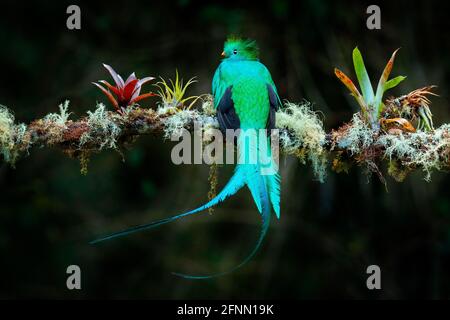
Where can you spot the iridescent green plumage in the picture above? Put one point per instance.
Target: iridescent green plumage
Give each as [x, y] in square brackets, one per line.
[245, 98]
[253, 93]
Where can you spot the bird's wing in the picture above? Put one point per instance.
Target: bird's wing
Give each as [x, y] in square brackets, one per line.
[226, 114]
[265, 74]
[274, 101]
[223, 101]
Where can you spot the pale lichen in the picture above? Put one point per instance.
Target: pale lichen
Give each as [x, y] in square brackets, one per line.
[302, 129]
[419, 149]
[54, 124]
[175, 120]
[12, 136]
[208, 105]
[60, 118]
[208, 118]
[103, 131]
[359, 136]
[301, 134]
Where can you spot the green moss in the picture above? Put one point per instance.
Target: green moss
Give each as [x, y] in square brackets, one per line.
[213, 180]
[340, 164]
[84, 161]
[398, 171]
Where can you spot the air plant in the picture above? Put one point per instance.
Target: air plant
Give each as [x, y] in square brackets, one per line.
[173, 93]
[371, 102]
[413, 106]
[126, 92]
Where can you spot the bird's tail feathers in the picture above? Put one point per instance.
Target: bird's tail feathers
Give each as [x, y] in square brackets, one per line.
[265, 191]
[236, 182]
[265, 211]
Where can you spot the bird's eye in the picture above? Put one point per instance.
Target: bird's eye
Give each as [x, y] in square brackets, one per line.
[235, 51]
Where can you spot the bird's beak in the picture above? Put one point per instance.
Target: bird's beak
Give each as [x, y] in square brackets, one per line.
[223, 54]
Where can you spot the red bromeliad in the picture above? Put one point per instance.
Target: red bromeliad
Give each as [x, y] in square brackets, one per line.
[126, 92]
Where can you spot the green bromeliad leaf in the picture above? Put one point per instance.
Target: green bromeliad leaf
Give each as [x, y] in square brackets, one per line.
[393, 82]
[371, 104]
[363, 77]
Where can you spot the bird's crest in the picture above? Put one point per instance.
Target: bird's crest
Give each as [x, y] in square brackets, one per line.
[248, 47]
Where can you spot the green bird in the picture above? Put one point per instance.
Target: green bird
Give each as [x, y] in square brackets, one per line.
[246, 99]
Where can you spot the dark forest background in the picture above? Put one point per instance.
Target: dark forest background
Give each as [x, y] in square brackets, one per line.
[328, 233]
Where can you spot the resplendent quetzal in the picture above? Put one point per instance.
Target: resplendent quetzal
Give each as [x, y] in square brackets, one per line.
[246, 98]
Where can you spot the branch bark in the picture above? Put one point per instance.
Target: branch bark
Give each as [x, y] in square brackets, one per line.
[301, 135]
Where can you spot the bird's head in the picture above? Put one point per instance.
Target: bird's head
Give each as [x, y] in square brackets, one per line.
[236, 48]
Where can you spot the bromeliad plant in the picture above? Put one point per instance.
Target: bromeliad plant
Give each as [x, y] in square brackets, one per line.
[126, 92]
[414, 106]
[371, 102]
[173, 93]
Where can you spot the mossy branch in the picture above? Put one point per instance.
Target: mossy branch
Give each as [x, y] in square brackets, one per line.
[301, 134]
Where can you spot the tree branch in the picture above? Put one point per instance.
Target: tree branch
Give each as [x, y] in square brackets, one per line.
[301, 134]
